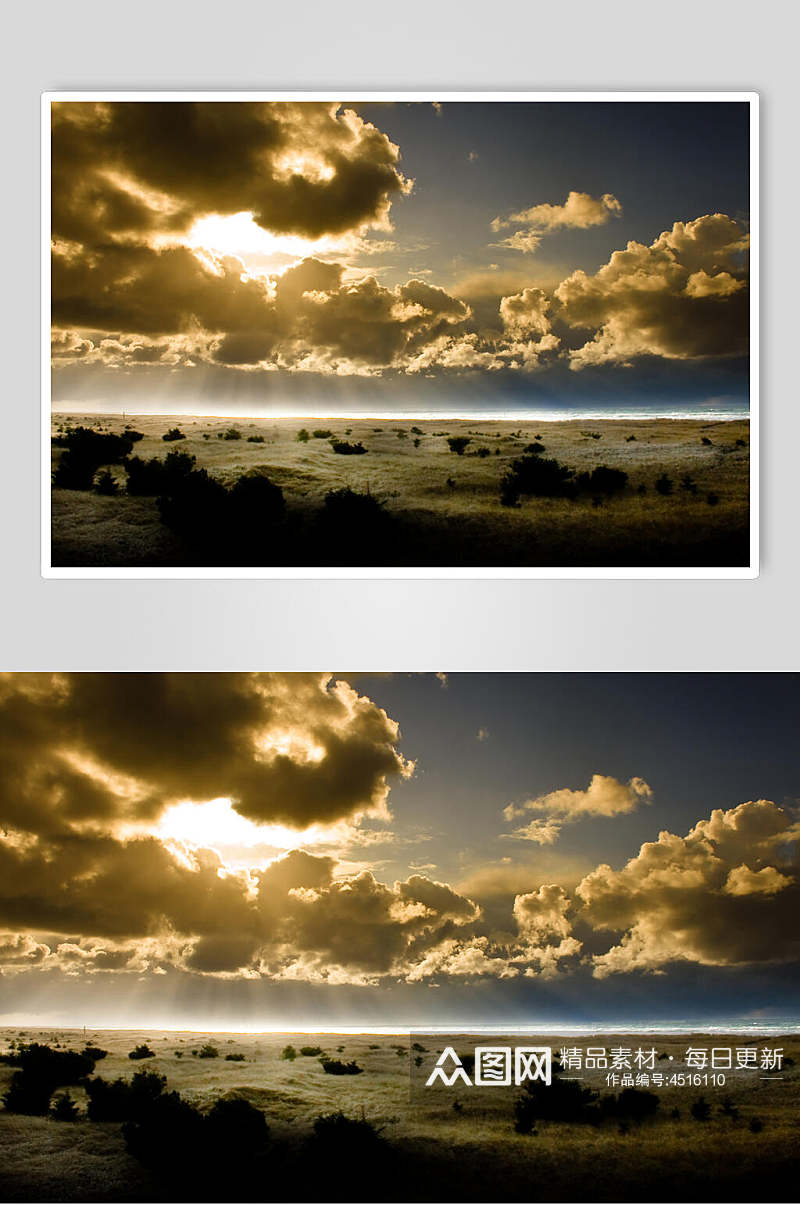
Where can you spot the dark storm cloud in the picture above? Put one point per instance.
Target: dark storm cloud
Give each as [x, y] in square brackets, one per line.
[102, 748]
[136, 288]
[123, 169]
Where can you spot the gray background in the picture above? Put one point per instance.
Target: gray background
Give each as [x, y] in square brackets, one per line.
[584, 625]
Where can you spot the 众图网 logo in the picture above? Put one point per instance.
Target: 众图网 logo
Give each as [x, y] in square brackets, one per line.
[498, 1066]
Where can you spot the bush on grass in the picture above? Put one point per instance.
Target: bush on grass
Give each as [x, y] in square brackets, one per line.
[338, 1067]
[64, 1108]
[142, 1051]
[458, 444]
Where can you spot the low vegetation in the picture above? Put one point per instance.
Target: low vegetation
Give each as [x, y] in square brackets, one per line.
[514, 498]
[338, 1067]
[343, 448]
[192, 1139]
[142, 1051]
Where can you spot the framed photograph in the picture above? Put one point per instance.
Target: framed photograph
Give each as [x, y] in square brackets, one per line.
[434, 934]
[400, 334]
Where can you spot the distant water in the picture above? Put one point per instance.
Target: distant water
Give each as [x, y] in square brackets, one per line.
[757, 1027]
[726, 411]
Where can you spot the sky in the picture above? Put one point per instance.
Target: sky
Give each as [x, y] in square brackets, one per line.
[256, 851]
[297, 257]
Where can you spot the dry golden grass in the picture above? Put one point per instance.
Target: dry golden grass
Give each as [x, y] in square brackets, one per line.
[449, 504]
[471, 1155]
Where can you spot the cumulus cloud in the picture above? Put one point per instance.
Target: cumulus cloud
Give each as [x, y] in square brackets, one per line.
[90, 765]
[605, 796]
[99, 748]
[137, 170]
[578, 212]
[526, 312]
[134, 285]
[723, 895]
[683, 297]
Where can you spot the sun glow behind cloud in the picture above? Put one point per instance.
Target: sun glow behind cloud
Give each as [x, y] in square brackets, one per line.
[260, 251]
[218, 825]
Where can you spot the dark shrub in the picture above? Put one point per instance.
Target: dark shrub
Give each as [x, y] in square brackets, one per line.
[105, 483]
[705, 441]
[533, 449]
[688, 484]
[416, 431]
[166, 1135]
[632, 1104]
[348, 517]
[483, 452]
[142, 1051]
[322, 433]
[154, 476]
[94, 1053]
[234, 1058]
[123, 1100]
[534, 475]
[712, 499]
[254, 501]
[232, 433]
[86, 451]
[208, 1052]
[458, 444]
[337, 1067]
[173, 434]
[236, 1129]
[133, 436]
[196, 508]
[64, 1108]
[289, 1053]
[42, 1070]
[347, 449]
[729, 1109]
[700, 1109]
[602, 480]
[255, 439]
[417, 442]
[302, 436]
[755, 1125]
[311, 1052]
[562, 1100]
[664, 485]
[353, 1138]
[28, 1094]
[629, 439]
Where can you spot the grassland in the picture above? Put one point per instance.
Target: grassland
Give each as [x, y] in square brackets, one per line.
[444, 508]
[433, 1151]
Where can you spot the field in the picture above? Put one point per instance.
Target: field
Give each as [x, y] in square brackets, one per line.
[440, 508]
[432, 1150]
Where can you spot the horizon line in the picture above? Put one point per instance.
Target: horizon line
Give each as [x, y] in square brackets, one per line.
[541, 416]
